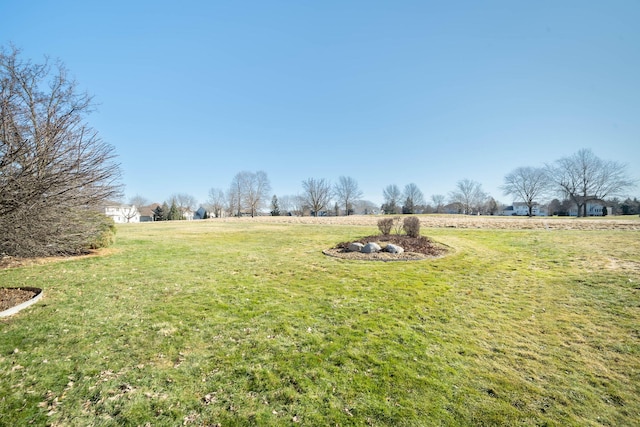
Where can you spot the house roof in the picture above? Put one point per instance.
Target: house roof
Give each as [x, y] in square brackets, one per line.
[148, 210]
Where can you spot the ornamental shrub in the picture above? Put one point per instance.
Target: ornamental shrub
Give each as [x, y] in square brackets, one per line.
[385, 225]
[411, 226]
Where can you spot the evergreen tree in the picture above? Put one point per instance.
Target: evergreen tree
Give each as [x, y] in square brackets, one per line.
[408, 207]
[174, 213]
[275, 208]
[158, 214]
[165, 211]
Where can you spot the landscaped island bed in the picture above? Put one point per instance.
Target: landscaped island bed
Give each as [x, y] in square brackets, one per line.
[247, 322]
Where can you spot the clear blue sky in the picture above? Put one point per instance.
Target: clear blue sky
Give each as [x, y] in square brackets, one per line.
[387, 92]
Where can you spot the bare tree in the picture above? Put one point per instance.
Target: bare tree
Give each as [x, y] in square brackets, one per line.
[584, 177]
[366, 207]
[216, 201]
[295, 204]
[438, 202]
[248, 192]
[316, 193]
[257, 191]
[52, 164]
[130, 212]
[527, 184]
[412, 198]
[235, 194]
[347, 192]
[391, 195]
[469, 196]
[184, 202]
[138, 201]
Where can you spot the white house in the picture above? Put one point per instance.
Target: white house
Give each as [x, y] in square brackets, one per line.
[121, 213]
[594, 208]
[521, 209]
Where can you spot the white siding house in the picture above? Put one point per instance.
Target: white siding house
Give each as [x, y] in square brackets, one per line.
[594, 208]
[521, 209]
[122, 213]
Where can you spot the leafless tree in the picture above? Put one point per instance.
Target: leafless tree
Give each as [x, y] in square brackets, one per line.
[138, 201]
[527, 184]
[413, 198]
[584, 177]
[347, 192]
[366, 207]
[257, 191]
[469, 196]
[130, 212]
[391, 195]
[248, 192]
[297, 204]
[216, 202]
[317, 194]
[54, 168]
[184, 202]
[438, 202]
[235, 194]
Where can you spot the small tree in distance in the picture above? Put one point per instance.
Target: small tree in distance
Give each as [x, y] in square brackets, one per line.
[468, 196]
[527, 184]
[316, 194]
[275, 209]
[413, 199]
[392, 195]
[347, 191]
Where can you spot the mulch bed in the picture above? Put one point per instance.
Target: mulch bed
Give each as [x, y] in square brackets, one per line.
[10, 297]
[415, 248]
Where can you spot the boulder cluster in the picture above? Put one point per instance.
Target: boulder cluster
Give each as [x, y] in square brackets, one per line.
[372, 247]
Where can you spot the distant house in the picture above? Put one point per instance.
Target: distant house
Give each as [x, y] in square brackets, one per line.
[594, 208]
[521, 209]
[452, 208]
[201, 213]
[508, 211]
[188, 214]
[121, 213]
[147, 213]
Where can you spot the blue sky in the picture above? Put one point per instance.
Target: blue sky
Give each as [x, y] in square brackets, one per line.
[387, 92]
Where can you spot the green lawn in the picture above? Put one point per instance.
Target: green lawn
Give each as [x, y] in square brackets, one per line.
[240, 323]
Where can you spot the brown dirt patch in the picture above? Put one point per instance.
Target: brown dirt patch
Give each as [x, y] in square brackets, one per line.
[10, 297]
[415, 249]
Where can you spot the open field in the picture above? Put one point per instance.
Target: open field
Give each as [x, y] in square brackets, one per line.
[245, 322]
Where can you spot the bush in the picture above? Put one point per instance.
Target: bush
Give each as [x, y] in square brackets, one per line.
[105, 233]
[412, 226]
[385, 225]
[397, 225]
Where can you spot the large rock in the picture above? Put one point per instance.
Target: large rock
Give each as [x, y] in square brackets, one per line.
[371, 248]
[393, 249]
[355, 247]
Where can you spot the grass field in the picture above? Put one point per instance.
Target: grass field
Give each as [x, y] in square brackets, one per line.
[244, 323]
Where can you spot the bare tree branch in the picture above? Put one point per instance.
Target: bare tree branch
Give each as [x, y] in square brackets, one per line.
[347, 192]
[53, 166]
[584, 177]
[527, 184]
[317, 194]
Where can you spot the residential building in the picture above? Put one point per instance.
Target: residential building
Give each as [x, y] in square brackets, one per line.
[121, 213]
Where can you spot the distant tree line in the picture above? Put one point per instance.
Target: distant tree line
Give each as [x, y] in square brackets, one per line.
[574, 181]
